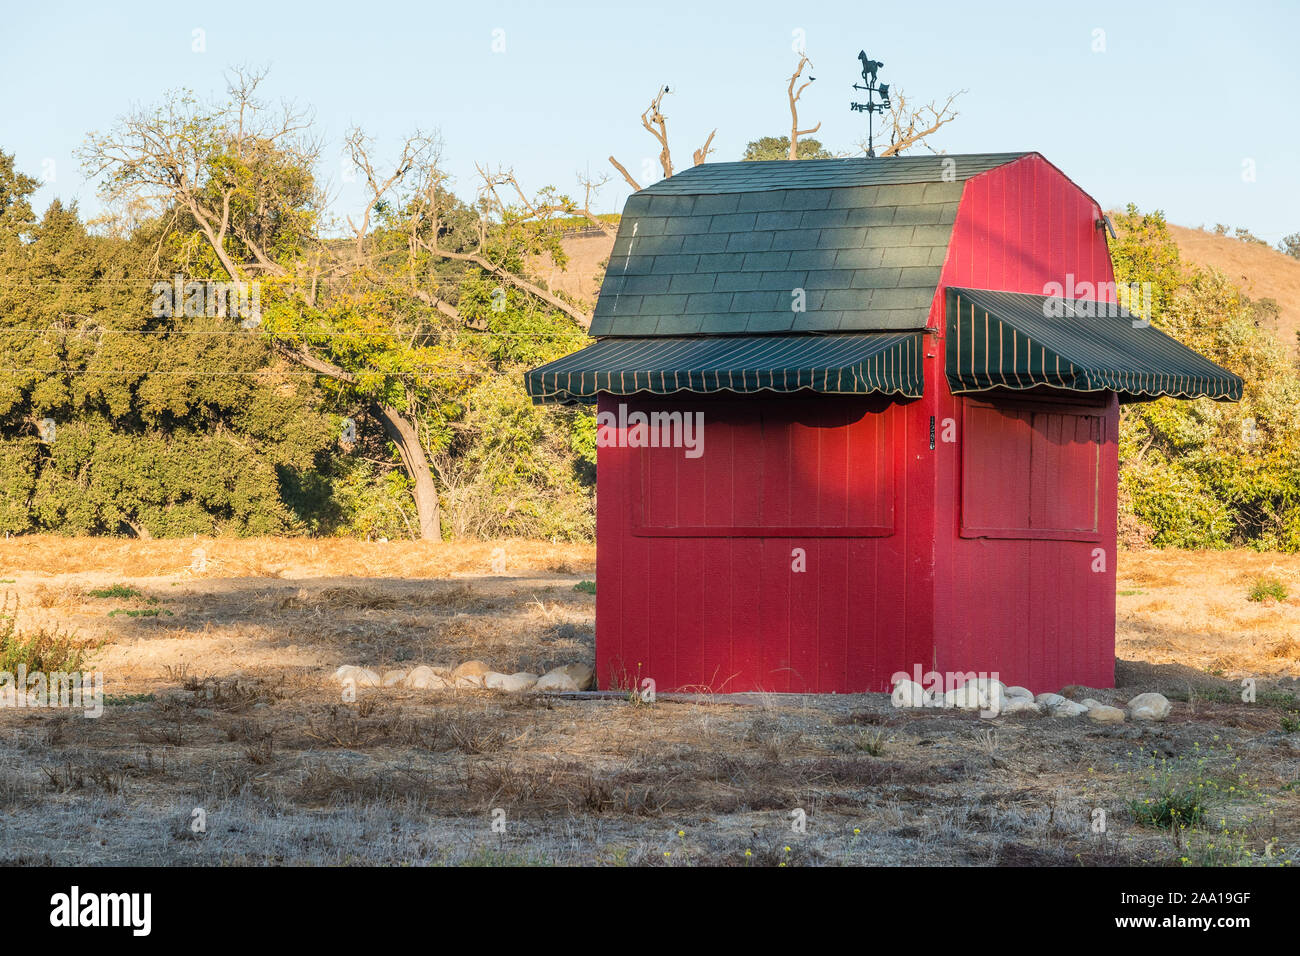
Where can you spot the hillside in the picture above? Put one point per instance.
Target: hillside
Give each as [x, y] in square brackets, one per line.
[1259, 271]
[588, 251]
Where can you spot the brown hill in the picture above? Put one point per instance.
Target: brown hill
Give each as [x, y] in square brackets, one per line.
[588, 252]
[1259, 271]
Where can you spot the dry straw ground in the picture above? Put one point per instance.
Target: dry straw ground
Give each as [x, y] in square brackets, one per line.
[219, 700]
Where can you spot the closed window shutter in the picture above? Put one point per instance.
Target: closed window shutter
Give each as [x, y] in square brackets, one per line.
[1030, 472]
[775, 468]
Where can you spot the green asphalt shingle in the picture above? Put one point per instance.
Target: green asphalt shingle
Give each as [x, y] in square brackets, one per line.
[859, 243]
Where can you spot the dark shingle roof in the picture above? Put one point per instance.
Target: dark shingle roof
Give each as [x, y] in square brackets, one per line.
[732, 248]
[826, 173]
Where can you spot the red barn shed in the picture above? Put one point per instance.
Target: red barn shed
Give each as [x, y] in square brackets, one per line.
[859, 416]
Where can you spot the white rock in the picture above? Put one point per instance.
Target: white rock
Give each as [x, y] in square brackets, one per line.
[426, 678]
[394, 678]
[511, 683]
[569, 678]
[1104, 714]
[1069, 709]
[1017, 691]
[1149, 707]
[1059, 706]
[966, 697]
[980, 693]
[908, 693]
[359, 676]
[1019, 705]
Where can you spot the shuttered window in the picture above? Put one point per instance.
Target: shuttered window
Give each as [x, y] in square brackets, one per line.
[773, 469]
[1031, 471]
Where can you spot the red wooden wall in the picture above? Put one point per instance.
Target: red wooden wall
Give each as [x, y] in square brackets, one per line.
[695, 584]
[1030, 608]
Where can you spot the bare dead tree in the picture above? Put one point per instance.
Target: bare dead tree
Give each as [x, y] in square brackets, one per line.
[793, 95]
[912, 125]
[419, 150]
[701, 154]
[656, 124]
[626, 175]
[538, 210]
[589, 189]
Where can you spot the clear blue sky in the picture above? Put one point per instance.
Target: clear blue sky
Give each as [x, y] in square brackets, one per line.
[1183, 94]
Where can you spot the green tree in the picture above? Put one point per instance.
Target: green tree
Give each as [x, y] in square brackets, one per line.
[375, 317]
[1202, 473]
[146, 435]
[778, 147]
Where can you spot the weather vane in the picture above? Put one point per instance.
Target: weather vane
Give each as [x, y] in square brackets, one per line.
[871, 107]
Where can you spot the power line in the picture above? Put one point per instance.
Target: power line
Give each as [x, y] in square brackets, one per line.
[321, 334]
[267, 372]
[297, 280]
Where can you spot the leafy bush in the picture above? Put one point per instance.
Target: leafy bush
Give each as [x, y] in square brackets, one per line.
[115, 591]
[42, 650]
[1267, 587]
[1173, 808]
[1206, 474]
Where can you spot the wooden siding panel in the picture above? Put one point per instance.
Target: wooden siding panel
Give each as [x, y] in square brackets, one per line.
[1033, 610]
[723, 608]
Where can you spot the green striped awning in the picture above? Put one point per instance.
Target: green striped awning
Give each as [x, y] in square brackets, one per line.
[849, 364]
[1017, 341]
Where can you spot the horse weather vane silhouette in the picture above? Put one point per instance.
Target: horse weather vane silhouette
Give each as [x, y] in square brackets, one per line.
[871, 107]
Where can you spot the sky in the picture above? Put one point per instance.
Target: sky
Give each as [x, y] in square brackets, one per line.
[1187, 107]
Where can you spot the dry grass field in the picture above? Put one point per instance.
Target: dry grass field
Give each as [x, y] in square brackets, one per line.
[217, 674]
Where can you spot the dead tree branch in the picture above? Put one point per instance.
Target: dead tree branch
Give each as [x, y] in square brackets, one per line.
[911, 126]
[656, 125]
[793, 95]
[701, 154]
[626, 175]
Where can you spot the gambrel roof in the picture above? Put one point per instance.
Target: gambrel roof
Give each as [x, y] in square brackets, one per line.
[725, 248]
[819, 275]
